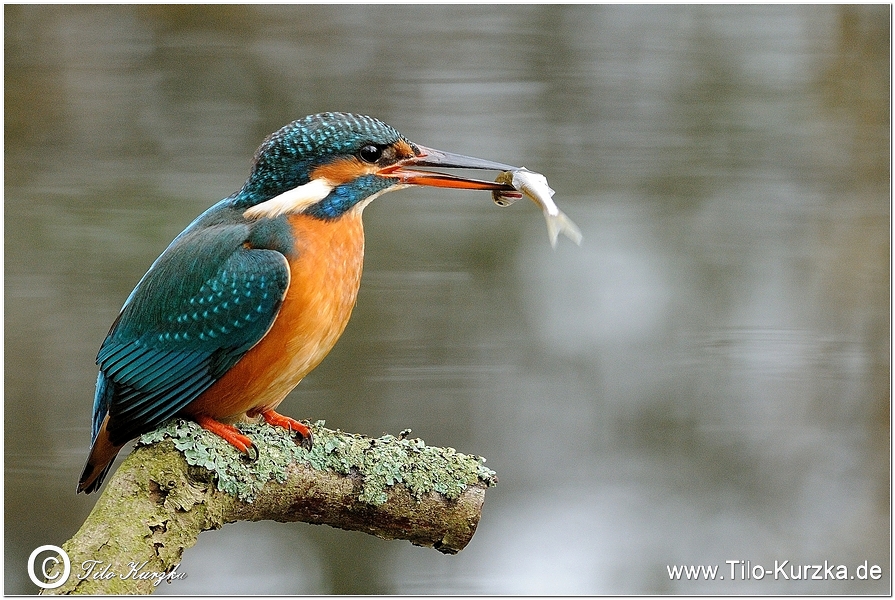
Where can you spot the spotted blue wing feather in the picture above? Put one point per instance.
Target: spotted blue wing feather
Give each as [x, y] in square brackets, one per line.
[204, 303]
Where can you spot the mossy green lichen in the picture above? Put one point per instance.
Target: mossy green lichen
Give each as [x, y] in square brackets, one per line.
[380, 462]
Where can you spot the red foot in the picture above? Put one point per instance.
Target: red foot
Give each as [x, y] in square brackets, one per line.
[278, 420]
[228, 432]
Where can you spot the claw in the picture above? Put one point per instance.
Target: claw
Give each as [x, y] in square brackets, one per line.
[252, 453]
[307, 441]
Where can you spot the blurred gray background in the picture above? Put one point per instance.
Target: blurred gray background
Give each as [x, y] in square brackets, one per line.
[705, 379]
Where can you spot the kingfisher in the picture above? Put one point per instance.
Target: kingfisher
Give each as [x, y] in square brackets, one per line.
[254, 293]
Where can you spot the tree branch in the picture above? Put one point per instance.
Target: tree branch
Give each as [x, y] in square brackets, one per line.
[181, 480]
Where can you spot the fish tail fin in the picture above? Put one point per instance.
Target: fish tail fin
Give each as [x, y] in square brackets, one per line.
[560, 223]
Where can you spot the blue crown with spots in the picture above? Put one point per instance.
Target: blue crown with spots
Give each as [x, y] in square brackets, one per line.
[284, 160]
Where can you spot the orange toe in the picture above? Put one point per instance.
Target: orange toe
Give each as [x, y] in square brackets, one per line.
[228, 432]
[278, 420]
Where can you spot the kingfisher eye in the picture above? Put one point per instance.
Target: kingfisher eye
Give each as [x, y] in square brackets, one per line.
[370, 153]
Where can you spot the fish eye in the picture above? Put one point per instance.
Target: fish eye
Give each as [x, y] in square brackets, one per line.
[370, 153]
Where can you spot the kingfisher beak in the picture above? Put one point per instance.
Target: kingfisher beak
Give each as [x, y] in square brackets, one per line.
[406, 174]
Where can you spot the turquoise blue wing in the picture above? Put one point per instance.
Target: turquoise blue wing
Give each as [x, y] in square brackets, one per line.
[204, 303]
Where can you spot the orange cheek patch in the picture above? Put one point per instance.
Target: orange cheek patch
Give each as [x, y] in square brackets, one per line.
[342, 171]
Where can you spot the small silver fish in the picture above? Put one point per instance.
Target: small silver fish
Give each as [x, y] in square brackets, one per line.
[534, 185]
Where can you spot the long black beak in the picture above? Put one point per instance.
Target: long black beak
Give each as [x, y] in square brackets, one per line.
[428, 157]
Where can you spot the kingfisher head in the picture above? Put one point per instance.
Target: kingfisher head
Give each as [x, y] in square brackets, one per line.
[327, 164]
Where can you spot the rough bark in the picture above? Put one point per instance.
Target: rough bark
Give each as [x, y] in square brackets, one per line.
[181, 481]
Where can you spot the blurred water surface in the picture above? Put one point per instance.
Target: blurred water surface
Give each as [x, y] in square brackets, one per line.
[704, 380]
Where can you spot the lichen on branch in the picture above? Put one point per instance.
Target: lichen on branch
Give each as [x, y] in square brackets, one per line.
[380, 463]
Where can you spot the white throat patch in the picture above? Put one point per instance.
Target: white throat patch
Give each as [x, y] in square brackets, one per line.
[291, 201]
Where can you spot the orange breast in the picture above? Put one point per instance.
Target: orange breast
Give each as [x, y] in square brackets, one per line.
[325, 277]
